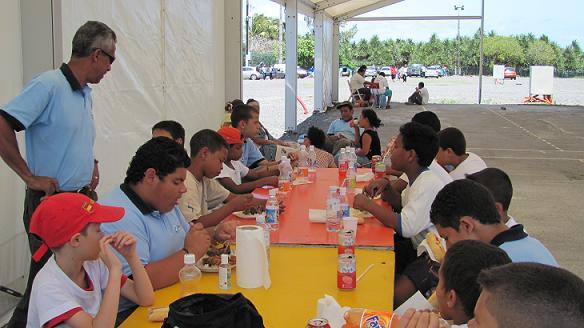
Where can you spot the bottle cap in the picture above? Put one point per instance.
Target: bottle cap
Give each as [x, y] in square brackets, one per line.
[302, 147]
[190, 259]
[284, 158]
[311, 148]
[224, 259]
[273, 192]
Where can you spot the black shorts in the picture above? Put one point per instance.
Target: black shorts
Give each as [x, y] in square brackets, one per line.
[423, 273]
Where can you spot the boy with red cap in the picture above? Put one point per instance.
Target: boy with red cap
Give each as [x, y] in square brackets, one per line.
[234, 171]
[81, 285]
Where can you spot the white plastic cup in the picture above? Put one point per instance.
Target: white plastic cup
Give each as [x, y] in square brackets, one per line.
[350, 223]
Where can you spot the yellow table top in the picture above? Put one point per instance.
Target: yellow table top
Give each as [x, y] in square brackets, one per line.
[300, 276]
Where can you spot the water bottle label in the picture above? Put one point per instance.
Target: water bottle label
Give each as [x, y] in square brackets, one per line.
[224, 278]
[346, 210]
[271, 215]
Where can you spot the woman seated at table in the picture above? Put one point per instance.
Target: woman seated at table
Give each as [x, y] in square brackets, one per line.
[369, 140]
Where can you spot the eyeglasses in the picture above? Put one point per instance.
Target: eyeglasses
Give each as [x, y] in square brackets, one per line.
[110, 57]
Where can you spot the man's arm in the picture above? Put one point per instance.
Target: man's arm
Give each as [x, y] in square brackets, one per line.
[11, 155]
[247, 187]
[233, 203]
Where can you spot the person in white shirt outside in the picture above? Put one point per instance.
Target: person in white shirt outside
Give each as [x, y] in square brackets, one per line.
[452, 154]
[382, 100]
[415, 148]
[80, 286]
[358, 83]
[234, 172]
[420, 97]
[499, 184]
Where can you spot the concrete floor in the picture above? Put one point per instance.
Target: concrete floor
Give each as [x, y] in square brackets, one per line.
[540, 147]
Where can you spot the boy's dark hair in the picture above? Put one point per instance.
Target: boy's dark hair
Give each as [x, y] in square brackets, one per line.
[316, 136]
[250, 100]
[463, 198]
[361, 69]
[175, 129]
[452, 138]
[497, 182]
[161, 154]
[236, 102]
[428, 118]
[422, 139]
[421, 85]
[371, 116]
[207, 138]
[382, 74]
[241, 113]
[461, 267]
[534, 295]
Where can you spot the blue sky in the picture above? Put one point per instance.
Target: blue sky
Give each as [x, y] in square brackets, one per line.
[561, 20]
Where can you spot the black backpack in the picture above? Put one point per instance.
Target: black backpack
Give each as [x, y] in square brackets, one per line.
[213, 311]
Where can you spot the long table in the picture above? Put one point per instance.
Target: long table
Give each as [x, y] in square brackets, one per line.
[303, 265]
[300, 276]
[296, 229]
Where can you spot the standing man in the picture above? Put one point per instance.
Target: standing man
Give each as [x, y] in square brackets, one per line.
[55, 109]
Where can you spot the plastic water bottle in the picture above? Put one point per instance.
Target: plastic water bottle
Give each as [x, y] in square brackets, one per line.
[303, 162]
[189, 276]
[261, 221]
[333, 223]
[284, 180]
[272, 209]
[343, 164]
[345, 210]
[224, 273]
[312, 164]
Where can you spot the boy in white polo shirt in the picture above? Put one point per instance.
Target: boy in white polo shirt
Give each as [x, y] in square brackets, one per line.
[234, 171]
[452, 154]
[415, 149]
[81, 285]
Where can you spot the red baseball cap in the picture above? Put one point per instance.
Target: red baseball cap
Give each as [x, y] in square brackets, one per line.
[231, 135]
[61, 216]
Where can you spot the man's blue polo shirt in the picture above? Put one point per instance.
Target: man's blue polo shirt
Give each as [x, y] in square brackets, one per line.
[56, 112]
[251, 153]
[158, 235]
[522, 248]
[342, 127]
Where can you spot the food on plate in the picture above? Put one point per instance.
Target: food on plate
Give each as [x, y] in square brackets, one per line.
[215, 261]
[361, 215]
[254, 210]
[219, 247]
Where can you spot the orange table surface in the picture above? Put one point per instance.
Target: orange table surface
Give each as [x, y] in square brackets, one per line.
[295, 228]
[300, 276]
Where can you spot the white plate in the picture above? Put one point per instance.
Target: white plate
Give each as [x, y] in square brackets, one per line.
[240, 215]
[206, 268]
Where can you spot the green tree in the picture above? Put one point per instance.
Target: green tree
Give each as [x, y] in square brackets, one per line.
[265, 27]
[306, 50]
[504, 50]
[346, 47]
[540, 53]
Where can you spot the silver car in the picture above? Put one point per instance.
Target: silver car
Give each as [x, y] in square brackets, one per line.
[250, 73]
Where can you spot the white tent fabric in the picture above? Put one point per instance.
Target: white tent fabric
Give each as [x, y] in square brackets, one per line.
[170, 65]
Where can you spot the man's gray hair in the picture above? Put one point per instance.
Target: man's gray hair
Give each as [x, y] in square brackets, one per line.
[90, 36]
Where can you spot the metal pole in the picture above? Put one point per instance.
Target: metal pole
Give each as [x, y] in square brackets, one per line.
[247, 33]
[481, 51]
[280, 37]
[458, 69]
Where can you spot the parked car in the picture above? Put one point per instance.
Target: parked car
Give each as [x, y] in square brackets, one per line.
[510, 73]
[371, 71]
[386, 70]
[433, 71]
[281, 71]
[345, 70]
[416, 70]
[248, 72]
[301, 72]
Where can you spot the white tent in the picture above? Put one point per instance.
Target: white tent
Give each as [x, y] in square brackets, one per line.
[176, 59]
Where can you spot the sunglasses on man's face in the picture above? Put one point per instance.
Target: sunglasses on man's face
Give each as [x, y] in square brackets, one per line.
[110, 57]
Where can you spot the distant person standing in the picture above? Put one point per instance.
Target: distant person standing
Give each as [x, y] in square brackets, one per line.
[55, 109]
[403, 73]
